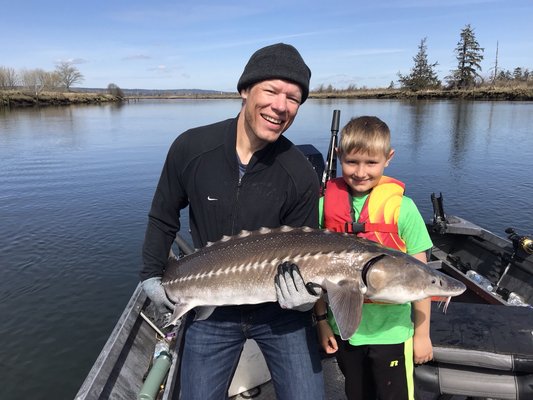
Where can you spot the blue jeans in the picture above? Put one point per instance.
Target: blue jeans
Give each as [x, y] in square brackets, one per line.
[286, 338]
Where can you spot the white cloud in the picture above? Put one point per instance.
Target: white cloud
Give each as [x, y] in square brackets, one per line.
[136, 57]
[72, 61]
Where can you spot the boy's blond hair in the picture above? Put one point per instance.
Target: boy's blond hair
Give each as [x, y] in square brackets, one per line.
[365, 134]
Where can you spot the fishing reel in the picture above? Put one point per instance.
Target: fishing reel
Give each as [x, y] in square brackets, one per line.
[522, 245]
[522, 248]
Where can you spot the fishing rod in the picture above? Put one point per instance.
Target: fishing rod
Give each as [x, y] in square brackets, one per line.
[330, 171]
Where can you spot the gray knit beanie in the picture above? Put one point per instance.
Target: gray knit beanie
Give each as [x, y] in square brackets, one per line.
[278, 61]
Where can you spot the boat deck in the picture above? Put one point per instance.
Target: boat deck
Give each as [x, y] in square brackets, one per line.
[334, 384]
[332, 377]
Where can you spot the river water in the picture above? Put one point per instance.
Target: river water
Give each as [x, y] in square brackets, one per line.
[76, 184]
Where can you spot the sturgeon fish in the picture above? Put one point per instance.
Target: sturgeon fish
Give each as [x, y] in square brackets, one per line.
[241, 269]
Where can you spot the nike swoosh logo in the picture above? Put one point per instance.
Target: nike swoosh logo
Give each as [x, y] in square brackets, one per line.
[211, 198]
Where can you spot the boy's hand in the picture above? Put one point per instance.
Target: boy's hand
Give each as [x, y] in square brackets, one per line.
[422, 349]
[326, 338]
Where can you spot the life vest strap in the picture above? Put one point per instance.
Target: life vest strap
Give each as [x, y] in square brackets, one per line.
[356, 227]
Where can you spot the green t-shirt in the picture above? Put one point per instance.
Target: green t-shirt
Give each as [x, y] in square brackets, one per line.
[388, 323]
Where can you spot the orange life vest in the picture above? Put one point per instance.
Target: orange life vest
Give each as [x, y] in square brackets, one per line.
[378, 220]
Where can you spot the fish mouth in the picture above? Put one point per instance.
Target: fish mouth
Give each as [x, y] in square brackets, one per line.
[369, 264]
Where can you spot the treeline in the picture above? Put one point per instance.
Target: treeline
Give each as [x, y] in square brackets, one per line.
[37, 81]
[517, 77]
[467, 74]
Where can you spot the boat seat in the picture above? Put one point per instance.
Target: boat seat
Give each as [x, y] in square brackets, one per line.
[480, 350]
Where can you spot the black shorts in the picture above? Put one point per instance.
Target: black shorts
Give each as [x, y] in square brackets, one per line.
[383, 372]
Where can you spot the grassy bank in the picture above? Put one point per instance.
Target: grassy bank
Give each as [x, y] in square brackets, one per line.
[469, 94]
[13, 98]
[22, 99]
[487, 93]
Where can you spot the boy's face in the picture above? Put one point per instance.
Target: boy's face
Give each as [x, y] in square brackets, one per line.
[362, 171]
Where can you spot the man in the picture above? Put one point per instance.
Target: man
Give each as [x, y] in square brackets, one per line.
[238, 174]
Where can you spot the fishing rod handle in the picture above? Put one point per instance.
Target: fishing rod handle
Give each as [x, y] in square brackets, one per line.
[335, 121]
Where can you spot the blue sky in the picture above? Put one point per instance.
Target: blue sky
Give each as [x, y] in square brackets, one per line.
[205, 44]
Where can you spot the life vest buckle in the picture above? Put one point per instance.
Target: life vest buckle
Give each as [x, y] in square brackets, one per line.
[354, 227]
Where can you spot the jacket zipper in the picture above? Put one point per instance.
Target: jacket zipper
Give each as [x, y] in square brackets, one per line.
[235, 206]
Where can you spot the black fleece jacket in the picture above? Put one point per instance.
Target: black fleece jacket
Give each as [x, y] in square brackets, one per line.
[201, 171]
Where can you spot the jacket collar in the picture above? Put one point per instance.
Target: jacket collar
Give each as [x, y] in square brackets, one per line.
[260, 159]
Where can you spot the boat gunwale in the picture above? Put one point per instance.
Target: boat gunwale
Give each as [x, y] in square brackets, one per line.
[94, 384]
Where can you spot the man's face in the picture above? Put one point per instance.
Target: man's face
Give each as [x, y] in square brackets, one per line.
[270, 108]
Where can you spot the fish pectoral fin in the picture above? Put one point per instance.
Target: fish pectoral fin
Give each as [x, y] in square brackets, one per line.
[346, 302]
[434, 264]
[180, 309]
[203, 312]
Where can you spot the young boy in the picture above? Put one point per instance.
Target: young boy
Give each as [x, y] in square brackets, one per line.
[377, 361]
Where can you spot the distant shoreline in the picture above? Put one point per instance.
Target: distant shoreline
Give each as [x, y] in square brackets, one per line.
[510, 94]
[16, 99]
[521, 94]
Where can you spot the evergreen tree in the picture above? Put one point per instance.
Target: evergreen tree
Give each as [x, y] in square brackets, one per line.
[422, 75]
[517, 74]
[469, 56]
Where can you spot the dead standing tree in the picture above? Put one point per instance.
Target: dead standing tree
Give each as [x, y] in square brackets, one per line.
[68, 74]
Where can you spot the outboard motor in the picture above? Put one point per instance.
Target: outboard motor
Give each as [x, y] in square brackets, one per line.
[314, 156]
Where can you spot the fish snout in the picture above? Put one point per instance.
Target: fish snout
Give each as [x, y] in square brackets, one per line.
[445, 285]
